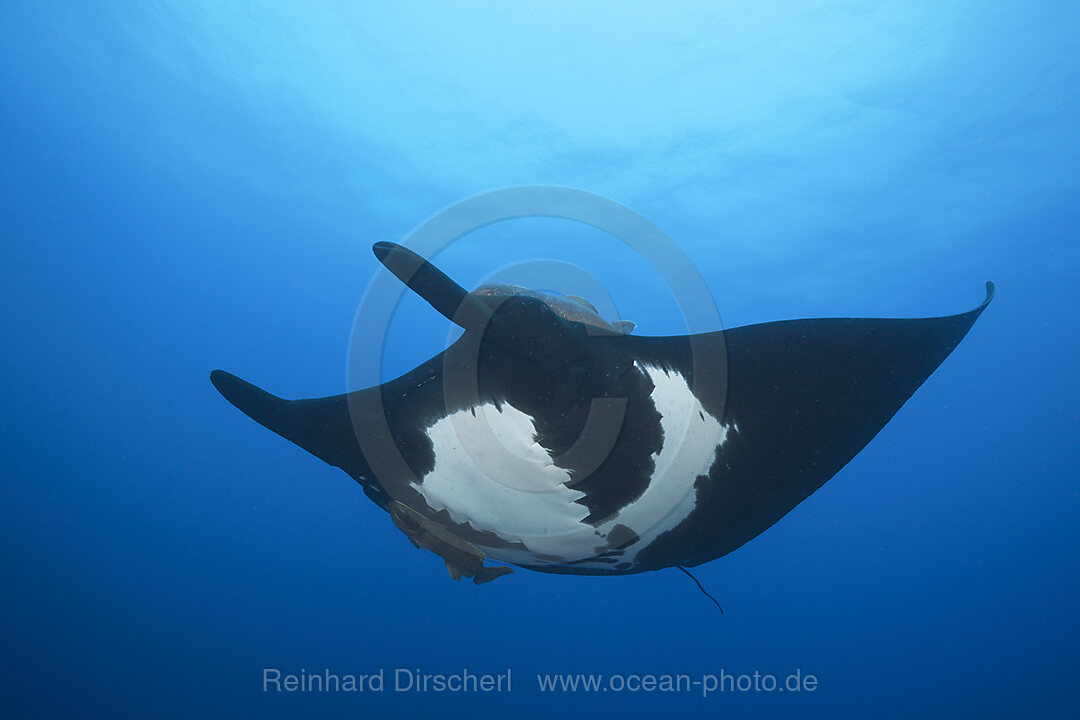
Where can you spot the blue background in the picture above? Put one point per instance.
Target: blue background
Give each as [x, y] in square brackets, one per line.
[193, 185]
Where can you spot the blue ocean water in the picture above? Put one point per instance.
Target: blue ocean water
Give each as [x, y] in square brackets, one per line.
[193, 185]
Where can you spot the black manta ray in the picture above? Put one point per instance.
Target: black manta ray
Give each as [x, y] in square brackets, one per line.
[550, 439]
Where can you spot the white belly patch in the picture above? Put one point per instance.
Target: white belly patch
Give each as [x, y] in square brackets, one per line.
[491, 473]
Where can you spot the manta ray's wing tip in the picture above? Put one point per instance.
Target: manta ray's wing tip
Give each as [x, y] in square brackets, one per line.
[383, 248]
[991, 289]
[253, 401]
[221, 378]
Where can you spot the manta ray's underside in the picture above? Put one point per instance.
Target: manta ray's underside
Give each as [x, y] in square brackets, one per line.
[550, 439]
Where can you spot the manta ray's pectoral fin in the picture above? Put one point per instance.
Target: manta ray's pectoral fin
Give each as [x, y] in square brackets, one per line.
[429, 282]
[803, 398]
[322, 426]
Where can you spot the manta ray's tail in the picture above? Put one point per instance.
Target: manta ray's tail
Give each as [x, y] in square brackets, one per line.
[322, 426]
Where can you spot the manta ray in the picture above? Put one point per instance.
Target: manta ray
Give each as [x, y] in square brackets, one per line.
[548, 438]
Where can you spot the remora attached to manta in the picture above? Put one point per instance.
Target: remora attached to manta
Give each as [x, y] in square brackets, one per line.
[551, 439]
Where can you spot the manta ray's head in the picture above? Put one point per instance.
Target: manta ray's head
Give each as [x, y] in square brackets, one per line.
[569, 307]
[511, 318]
[518, 339]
